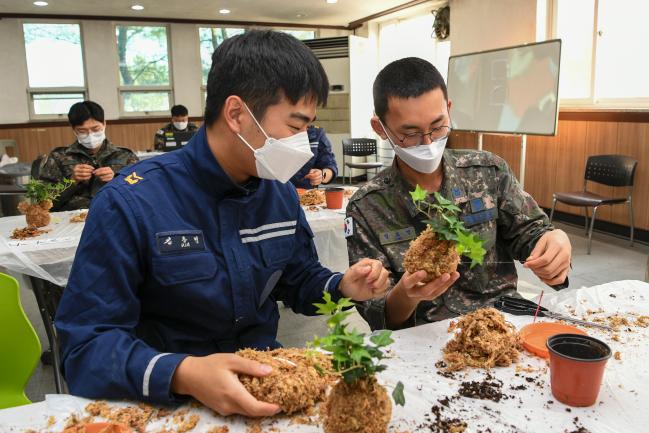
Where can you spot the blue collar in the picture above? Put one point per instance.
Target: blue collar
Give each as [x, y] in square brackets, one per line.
[208, 173]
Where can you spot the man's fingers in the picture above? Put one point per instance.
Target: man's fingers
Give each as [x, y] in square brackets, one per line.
[252, 407]
[375, 271]
[545, 259]
[381, 284]
[248, 367]
[410, 280]
[539, 248]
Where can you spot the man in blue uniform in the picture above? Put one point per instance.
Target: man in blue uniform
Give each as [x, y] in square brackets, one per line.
[321, 169]
[184, 256]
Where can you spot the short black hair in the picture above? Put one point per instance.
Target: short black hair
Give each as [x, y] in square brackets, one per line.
[82, 111]
[261, 66]
[179, 110]
[405, 78]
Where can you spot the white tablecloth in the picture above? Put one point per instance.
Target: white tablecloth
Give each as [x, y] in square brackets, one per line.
[50, 255]
[622, 406]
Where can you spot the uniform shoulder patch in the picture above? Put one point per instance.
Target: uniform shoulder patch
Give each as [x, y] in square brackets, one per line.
[133, 178]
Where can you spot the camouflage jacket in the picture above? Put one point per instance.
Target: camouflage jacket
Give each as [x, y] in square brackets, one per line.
[59, 165]
[160, 137]
[382, 220]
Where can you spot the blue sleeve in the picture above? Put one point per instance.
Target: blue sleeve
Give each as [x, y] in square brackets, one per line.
[100, 309]
[326, 157]
[305, 279]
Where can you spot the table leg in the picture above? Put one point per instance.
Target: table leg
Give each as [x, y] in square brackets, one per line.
[41, 292]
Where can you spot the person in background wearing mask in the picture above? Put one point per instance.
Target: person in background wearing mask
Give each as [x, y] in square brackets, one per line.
[179, 123]
[183, 258]
[91, 161]
[412, 112]
[321, 169]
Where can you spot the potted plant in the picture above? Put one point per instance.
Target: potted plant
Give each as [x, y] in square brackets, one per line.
[357, 402]
[40, 196]
[438, 248]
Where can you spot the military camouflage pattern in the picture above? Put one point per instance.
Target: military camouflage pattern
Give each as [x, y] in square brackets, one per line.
[493, 205]
[59, 165]
[159, 139]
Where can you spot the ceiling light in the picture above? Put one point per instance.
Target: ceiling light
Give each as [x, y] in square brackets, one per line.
[300, 15]
[40, 3]
[137, 7]
[332, 1]
[224, 11]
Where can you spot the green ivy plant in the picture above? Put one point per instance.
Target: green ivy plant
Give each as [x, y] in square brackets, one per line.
[443, 219]
[38, 191]
[352, 359]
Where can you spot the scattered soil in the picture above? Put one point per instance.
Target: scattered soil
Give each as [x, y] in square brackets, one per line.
[437, 423]
[312, 197]
[485, 340]
[79, 218]
[578, 427]
[135, 417]
[27, 232]
[617, 356]
[436, 257]
[363, 407]
[488, 389]
[295, 384]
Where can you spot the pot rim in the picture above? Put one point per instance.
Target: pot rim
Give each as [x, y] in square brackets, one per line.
[579, 337]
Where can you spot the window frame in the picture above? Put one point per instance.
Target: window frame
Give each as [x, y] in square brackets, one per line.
[168, 88]
[31, 91]
[593, 101]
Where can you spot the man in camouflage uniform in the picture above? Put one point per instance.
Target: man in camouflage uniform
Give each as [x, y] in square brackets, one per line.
[91, 161]
[410, 97]
[179, 123]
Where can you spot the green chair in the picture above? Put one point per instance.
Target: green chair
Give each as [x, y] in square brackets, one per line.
[20, 348]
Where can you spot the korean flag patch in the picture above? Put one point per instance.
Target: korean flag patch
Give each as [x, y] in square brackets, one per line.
[349, 227]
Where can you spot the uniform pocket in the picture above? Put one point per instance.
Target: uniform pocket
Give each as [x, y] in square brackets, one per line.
[276, 252]
[183, 268]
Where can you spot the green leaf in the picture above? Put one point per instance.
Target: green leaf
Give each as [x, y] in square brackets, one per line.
[382, 338]
[470, 245]
[419, 194]
[397, 394]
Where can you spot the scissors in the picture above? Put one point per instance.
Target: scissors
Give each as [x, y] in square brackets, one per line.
[524, 307]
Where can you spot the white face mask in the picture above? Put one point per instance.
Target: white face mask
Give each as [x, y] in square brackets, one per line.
[92, 140]
[424, 158]
[280, 159]
[181, 125]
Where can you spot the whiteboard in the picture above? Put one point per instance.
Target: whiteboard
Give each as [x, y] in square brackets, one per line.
[509, 90]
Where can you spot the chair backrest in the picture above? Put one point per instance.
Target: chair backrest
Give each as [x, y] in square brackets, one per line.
[359, 146]
[611, 170]
[20, 348]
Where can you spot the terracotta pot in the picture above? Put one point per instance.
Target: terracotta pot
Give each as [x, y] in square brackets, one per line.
[334, 197]
[300, 191]
[576, 368]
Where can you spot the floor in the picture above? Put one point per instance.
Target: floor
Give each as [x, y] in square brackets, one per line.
[611, 260]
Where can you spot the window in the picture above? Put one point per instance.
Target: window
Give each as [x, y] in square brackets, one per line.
[300, 34]
[54, 68]
[602, 58]
[210, 38]
[144, 72]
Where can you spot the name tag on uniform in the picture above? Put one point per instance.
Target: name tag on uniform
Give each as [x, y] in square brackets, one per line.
[179, 242]
[395, 236]
[480, 217]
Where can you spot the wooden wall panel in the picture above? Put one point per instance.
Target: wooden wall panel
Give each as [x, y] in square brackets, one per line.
[633, 140]
[34, 141]
[556, 164]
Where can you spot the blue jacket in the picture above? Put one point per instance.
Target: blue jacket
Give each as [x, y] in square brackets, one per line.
[323, 157]
[177, 259]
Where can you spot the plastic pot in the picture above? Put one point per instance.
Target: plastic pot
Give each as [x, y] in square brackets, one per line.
[334, 197]
[577, 365]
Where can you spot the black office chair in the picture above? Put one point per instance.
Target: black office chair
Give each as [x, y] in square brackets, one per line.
[360, 147]
[610, 170]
